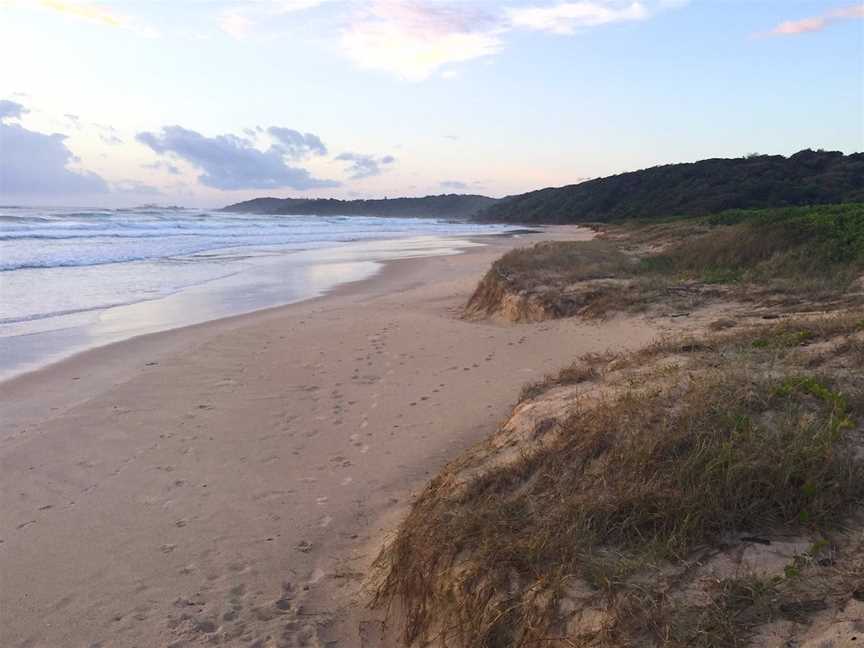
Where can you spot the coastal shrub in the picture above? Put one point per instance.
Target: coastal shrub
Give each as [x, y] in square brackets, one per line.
[824, 242]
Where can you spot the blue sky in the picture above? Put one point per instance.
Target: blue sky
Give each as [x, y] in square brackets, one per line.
[204, 102]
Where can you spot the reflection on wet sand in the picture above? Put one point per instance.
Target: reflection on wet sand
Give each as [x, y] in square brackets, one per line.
[272, 277]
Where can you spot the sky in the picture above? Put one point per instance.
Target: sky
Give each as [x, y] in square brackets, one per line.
[209, 102]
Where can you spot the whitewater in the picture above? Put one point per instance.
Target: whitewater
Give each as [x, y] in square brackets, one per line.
[65, 274]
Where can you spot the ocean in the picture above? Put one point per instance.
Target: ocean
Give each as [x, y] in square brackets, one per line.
[72, 279]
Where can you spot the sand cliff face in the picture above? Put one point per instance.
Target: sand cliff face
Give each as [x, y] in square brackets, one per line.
[495, 296]
[500, 298]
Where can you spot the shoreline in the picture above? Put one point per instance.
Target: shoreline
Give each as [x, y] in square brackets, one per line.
[225, 481]
[270, 280]
[24, 386]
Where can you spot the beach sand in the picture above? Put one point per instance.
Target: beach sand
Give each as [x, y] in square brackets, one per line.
[228, 483]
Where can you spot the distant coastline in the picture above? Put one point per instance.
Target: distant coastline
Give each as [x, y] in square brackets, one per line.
[455, 206]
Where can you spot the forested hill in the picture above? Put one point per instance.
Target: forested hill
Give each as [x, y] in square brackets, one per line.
[692, 189]
[443, 206]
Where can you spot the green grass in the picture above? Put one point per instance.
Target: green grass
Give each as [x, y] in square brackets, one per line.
[824, 243]
[803, 255]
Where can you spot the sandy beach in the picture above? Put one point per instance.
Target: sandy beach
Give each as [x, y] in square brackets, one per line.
[228, 483]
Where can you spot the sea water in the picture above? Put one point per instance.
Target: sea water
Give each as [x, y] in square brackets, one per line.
[72, 279]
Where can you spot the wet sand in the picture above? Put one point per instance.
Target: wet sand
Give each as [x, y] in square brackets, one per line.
[227, 483]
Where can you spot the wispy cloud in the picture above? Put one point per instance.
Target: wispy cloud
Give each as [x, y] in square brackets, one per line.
[108, 134]
[454, 184]
[461, 185]
[289, 6]
[85, 11]
[240, 20]
[414, 39]
[362, 166]
[235, 24]
[817, 23]
[96, 13]
[567, 17]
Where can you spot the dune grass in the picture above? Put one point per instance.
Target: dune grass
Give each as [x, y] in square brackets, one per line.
[563, 262]
[812, 254]
[748, 439]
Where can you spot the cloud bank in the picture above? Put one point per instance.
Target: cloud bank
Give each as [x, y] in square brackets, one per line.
[11, 109]
[37, 163]
[230, 162]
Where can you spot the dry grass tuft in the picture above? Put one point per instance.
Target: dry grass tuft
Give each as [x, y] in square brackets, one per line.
[744, 439]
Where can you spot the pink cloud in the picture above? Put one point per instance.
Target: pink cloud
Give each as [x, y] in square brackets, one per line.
[856, 11]
[817, 23]
[790, 27]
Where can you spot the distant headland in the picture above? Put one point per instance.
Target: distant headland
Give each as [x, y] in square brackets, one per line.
[443, 206]
[687, 189]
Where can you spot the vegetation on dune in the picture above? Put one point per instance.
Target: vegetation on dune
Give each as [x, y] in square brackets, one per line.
[825, 241]
[599, 512]
[790, 254]
[732, 438]
[694, 189]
